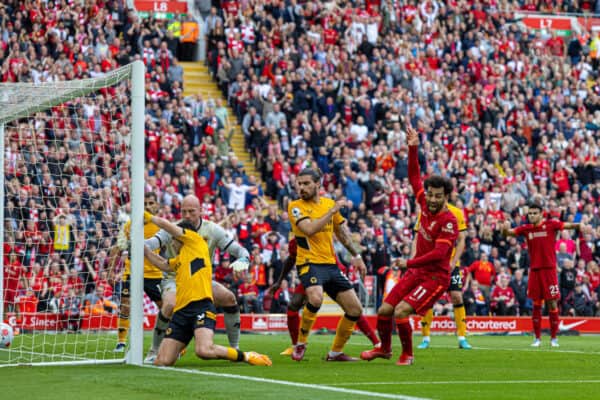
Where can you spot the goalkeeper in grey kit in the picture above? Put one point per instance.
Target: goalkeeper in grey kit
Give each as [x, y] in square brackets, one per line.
[215, 236]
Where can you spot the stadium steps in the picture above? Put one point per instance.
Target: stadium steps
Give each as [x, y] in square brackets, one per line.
[197, 79]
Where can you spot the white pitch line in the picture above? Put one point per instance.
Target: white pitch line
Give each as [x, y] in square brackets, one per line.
[293, 384]
[526, 349]
[529, 350]
[468, 382]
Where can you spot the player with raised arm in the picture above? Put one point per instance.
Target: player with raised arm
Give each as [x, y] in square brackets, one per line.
[428, 272]
[455, 287]
[216, 237]
[299, 299]
[540, 235]
[153, 277]
[314, 220]
[194, 311]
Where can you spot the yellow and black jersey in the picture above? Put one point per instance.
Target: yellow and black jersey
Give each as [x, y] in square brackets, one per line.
[150, 271]
[460, 219]
[318, 248]
[193, 270]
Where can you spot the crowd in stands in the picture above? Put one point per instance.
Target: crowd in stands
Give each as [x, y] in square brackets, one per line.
[505, 112]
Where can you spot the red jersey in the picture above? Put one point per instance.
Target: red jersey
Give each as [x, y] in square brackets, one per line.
[502, 292]
[483, 272]
[437, 233]
[541, 242]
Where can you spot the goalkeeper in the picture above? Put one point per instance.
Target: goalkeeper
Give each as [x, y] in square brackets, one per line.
[215, 236]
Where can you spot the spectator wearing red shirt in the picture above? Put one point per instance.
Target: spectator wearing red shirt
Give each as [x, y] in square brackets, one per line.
[248, 293]
[483, 272]
[502, 299]
[13, 278]
[259, 228]
[556, 45]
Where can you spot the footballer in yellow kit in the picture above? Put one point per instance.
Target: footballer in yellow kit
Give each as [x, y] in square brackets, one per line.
[314, 220]
[153, 276]
[195, 314]
[455, 287]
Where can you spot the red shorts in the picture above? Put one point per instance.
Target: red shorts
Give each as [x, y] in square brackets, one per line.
[420, 291]
[543, 284]
[299, 289]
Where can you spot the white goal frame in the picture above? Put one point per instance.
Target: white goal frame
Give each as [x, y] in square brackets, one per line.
[65, 91]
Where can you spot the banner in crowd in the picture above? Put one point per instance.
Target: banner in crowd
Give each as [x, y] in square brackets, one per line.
[164, 9]
[278, 322]
[563, 26]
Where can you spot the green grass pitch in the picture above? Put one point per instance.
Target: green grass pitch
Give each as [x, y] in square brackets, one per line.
[499, 367]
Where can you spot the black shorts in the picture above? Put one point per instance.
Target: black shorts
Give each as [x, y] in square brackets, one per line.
[151, 288]
[196, 315]
[456, 280]
[328, 276]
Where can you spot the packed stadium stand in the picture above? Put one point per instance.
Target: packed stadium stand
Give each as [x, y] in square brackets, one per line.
[506, 111]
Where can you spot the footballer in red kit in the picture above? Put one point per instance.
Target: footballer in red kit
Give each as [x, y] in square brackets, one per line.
[428, 272]
[298, 300]
[540, 234]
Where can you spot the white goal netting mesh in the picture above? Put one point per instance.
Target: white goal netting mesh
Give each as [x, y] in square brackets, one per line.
[66, 182]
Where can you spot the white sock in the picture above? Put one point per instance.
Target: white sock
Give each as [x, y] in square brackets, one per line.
[334, 353]
[461, 338]
[426, 338]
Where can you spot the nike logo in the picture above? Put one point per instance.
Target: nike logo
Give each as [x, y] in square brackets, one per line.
[565, 327]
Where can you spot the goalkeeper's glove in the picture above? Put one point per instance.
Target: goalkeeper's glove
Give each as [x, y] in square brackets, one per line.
[147, 217]
[241, 264]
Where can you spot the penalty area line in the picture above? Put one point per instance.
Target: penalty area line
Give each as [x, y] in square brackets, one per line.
[324, 388]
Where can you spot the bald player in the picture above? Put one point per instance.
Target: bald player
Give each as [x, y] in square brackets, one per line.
[216, 237]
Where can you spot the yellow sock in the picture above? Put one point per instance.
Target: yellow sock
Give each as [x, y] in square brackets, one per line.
[308, 320]
[460, 319]
[342, 333]
[123, 329]
[234, 354]
[426, 323]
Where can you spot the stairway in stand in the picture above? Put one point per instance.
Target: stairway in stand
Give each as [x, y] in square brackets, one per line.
[196, 79]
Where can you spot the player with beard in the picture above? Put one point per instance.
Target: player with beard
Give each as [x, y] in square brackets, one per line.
[314, 220]
[428, 273]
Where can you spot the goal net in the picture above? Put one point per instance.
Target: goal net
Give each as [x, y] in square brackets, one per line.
[72, 160]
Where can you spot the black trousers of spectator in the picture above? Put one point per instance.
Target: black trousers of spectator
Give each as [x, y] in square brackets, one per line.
[187, 51]
[502, 309]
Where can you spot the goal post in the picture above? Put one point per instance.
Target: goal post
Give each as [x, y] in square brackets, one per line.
[72, 160]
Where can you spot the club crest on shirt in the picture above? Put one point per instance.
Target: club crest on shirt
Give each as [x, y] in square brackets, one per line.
[448, 228]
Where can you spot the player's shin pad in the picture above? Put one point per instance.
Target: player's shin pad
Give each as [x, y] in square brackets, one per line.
[123, 329]
[309, 316]
[231, 318]
[460, 319]
[160, 328]
[426, 323]
[343, 332]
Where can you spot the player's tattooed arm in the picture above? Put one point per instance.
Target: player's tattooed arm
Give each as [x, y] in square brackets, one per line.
[342, 232]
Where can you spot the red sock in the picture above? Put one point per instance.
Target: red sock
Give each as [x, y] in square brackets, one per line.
[293, 323]
[536, 317]
[553, 314]
[365, 328]
[405, 333]
[384, 327]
